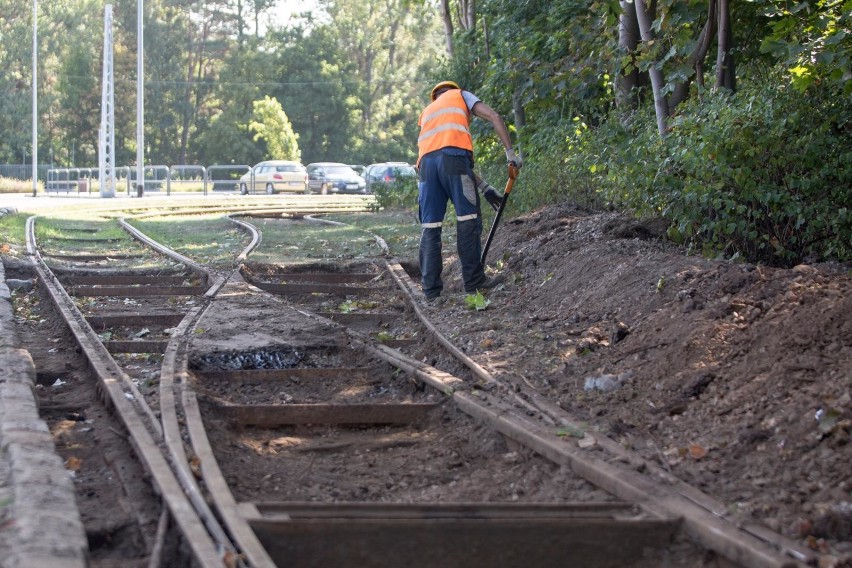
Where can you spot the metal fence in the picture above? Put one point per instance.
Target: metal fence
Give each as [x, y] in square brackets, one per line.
[157, 178]
[23, 171]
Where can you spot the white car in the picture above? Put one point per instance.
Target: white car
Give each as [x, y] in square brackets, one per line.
[275, 175]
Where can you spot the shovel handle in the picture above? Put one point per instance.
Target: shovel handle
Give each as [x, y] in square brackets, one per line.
[513, 174]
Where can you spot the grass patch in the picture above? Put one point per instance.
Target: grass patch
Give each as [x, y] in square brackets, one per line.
[288, 241]
[399, 229]
[13, 185]
[207, 239]
[70, 236]
[13, 233]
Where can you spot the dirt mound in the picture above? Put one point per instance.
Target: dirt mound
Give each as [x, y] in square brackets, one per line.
[735, 377]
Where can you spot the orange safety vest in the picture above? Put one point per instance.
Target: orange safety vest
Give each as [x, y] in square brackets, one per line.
[444, 123]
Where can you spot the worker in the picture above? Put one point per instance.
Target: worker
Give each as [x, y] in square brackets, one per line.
[445, 167]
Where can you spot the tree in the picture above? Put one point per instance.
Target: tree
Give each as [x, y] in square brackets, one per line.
[389, 43]
[15, 81]
[271, 125]
[813, 40]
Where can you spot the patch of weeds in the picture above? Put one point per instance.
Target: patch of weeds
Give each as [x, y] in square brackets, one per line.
[476, 301]
[350, 306]
[570, 431]
[384, 336]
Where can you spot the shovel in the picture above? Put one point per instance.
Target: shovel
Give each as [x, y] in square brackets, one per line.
[513, 173]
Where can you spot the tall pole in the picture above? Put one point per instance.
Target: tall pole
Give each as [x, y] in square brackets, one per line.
[106, 134]
[140, 104]
[35, 97]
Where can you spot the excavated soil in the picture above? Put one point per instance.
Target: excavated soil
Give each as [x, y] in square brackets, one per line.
[735, 377]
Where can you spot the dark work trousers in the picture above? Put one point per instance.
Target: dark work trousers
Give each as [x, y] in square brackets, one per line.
[446, 177]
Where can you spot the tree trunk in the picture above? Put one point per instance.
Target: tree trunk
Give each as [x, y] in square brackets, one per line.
[447, 18]
[657, 81]
[725, 72]
[696, 58]
[467, 14]
[628, 39]
[485, 39]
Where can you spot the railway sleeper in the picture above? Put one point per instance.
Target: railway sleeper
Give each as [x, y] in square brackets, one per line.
[469, 535]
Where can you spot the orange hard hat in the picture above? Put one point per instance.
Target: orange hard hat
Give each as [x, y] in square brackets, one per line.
[443, 85]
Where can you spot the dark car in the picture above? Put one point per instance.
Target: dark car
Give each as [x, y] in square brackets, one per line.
[388, 173]
[334, 177]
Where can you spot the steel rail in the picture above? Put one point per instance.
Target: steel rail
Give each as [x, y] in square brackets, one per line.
[174, 373]
[145, 432]
[171, 431]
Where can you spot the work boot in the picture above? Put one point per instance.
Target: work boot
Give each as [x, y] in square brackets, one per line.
[493, 197]
[492, 282]
[435, 301]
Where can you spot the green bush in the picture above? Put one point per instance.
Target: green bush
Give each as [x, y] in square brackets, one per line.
[765, 174]
[401, 194]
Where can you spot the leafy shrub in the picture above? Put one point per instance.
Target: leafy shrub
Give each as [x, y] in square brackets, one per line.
[765, 174]
[401, 194]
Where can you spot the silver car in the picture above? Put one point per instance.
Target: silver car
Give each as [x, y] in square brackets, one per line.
[275, 175]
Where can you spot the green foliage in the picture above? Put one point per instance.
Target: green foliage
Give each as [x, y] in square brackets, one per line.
[401, 194]
[270, 123]
[476, 301]
[813, 39]
[765, 175]
[12, 232]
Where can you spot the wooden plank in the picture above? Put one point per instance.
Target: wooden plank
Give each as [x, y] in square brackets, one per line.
[127, 279]
[91, 239]
[359, 317]
[327, 277]
[135, 291]
[94, 257]
[136, 346]
[272, 416]
[466, 542]
[277, 510]
[319, 288]
[133, 320]
[397, 343]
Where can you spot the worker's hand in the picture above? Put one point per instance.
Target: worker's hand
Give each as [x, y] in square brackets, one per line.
[493, 198]
[513, 158]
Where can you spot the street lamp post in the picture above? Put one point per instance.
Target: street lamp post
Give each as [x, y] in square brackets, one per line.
[35, 97]
[140, 104]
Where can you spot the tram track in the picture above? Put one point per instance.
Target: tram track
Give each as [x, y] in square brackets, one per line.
[361, 327]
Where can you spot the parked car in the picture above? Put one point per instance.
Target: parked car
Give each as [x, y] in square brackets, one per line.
[359, 169]
[388, 173]
[274, 176]
[334, 177]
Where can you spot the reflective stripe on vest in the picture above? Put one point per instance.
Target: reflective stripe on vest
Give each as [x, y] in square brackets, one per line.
[444, 123]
